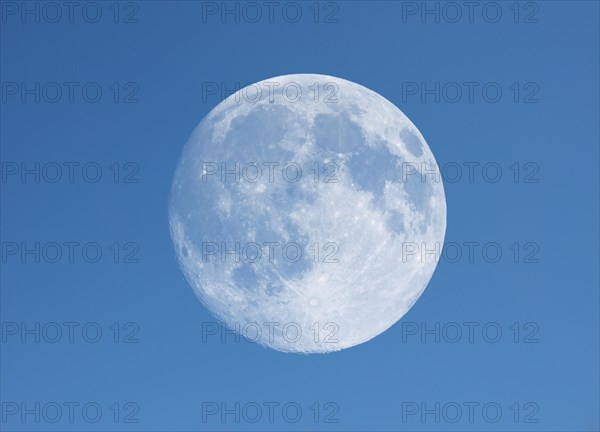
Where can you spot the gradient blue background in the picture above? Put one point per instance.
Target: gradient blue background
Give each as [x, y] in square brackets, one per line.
[170, 372]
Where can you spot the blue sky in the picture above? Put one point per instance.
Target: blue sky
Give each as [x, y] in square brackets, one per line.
[151, 362]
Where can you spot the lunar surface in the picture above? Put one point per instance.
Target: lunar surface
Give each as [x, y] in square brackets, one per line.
[306, 212]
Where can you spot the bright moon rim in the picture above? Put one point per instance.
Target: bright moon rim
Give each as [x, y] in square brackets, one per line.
[306, 211]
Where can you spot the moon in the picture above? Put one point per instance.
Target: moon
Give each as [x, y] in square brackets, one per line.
[308, 213]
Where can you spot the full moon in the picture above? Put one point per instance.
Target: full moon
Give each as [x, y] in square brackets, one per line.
[308, 213]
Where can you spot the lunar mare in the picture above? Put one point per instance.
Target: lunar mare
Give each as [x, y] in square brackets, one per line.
[296, 208]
